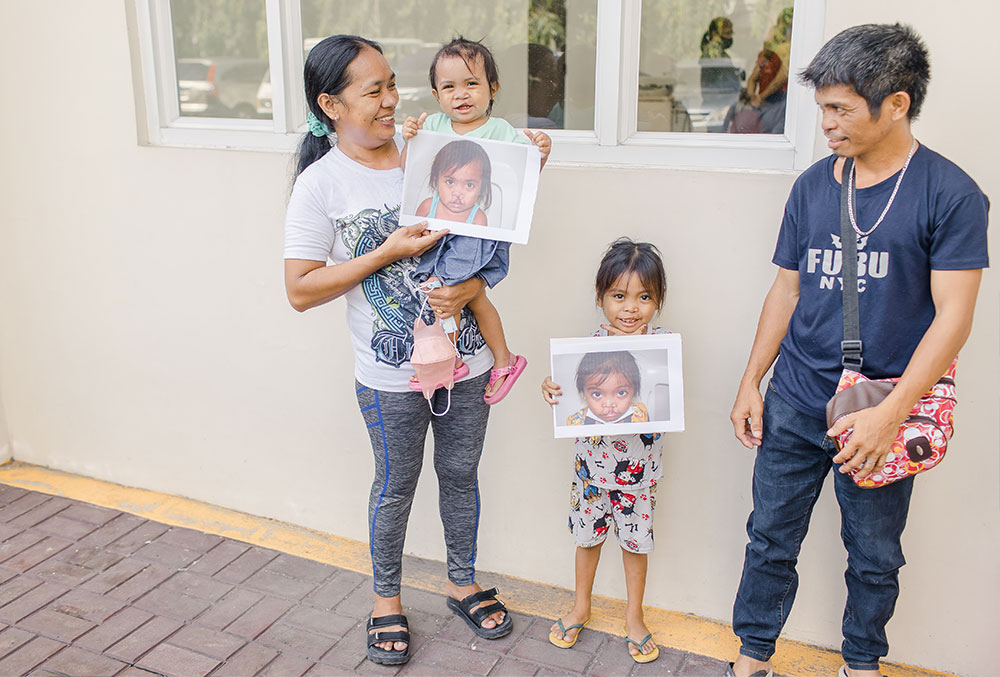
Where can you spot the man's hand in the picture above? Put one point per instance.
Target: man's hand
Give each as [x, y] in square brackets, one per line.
[746, 415]
[412, 125]
[875, 429]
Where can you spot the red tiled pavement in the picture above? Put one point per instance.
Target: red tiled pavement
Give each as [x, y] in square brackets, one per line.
[89, 591]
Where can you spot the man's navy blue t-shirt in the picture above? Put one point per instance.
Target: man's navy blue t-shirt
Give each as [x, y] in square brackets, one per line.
[937, 222]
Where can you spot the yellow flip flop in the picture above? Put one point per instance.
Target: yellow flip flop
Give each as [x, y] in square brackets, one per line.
[560, 641]
[643, 657]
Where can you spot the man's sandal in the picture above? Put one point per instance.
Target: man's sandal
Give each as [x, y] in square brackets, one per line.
[388, 656]
[467, 611]
[560, 639]
[643, 657]
[759, 673]
[511, 372]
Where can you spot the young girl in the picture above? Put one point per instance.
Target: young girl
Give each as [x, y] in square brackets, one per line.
[608, 383]
[616, 476]
[461, 181]
[465, 82]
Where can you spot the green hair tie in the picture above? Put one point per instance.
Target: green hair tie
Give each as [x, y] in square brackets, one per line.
[316, 127]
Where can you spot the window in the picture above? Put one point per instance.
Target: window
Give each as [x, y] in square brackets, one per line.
[649, 82]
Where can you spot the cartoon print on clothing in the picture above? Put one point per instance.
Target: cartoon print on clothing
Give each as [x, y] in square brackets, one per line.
[622, 502]
[394, 300]
[583, 472]
[629, 472]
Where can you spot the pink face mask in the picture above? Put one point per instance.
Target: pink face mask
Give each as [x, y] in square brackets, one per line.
[433, 358]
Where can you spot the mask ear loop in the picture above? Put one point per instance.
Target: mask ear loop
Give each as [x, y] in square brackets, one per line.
[426, 288]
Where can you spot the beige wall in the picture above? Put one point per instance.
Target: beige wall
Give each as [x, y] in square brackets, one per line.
[145, 338]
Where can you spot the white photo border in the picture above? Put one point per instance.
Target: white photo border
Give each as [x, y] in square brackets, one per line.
[671, 343]
[420, 153]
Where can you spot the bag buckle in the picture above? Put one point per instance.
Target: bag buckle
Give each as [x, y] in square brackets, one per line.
[851, 350]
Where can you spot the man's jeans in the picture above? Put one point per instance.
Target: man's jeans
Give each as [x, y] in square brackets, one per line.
[793, 459]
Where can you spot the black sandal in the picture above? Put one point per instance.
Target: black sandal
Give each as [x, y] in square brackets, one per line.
[466, 610]
[388, 656]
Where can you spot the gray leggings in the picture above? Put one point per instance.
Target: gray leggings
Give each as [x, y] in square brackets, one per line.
[397, 424]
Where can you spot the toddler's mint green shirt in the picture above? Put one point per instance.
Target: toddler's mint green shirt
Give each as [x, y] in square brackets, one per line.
[496, 129]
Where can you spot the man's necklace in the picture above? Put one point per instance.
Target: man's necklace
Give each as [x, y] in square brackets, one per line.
[850, 193]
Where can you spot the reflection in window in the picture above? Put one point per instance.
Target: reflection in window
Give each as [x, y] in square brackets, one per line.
[718, 66]
[546, 54]
[221, 52]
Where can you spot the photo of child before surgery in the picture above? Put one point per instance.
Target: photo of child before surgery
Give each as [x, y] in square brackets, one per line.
[474, 187]
[620, 384]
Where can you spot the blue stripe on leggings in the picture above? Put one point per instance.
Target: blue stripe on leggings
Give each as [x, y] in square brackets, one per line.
[475, 534]
[360, 390]
[385, 486]
[369, 407]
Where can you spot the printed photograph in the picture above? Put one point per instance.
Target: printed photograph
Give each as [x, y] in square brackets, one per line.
[614, 385]
[475, 187]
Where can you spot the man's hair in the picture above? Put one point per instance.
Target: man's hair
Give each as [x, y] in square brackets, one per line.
[876, 60]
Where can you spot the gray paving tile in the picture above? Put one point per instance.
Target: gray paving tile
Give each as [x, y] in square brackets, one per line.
[115, 575]
[695, 666]
[136, 538]
[9, 493]
[218, 645]
[63, 573]
[322, 622]
[288, 639]
[18, 543]
[91, 557]
[177, 662]
[40, 512]
[75, 662]
[171, 604]
[247, 661]
[87, 605]
[113, 629]
[286, 666]
[11, 638]
[165, 554]
[244, 566]
[29, 656]
[139, 584]
[511, 667]
[111, 531]
[228, 609]
[36, 554]
[218, 557]
[332, 592]
[50, 623]
[273, 583]
[440, 654]
[144, 638]
[21, 505]
[259, 617]
[60, 526]
[91, 514]
[299, 567]
[31, 601]
[536, 651]
[194, 585]
[189, 539]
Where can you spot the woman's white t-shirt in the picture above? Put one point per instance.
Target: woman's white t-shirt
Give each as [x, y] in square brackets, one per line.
[340, 209]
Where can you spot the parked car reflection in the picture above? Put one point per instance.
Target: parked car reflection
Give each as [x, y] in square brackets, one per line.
[220, 87]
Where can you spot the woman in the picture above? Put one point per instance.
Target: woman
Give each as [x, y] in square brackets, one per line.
[768, 83]
[344, 206]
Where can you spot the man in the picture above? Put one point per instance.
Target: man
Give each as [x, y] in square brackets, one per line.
[919, 267]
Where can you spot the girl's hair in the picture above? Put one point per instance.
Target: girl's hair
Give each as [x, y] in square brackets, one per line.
[458, 154]
[624, 257]
[607, 363]
[326, 71]
[469, 51]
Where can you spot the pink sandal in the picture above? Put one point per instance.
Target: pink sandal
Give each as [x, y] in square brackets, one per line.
[511, 371]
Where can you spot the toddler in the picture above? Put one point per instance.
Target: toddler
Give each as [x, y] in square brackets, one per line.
[615, 476]
[460, 178]
[608, 383]
[465, 81]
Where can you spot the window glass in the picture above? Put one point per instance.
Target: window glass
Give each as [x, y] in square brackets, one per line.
[545, 50]
[714, 65]
[221, 52]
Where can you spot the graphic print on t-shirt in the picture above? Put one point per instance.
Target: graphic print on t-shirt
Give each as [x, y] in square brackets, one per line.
[394, 299]
[827, 264]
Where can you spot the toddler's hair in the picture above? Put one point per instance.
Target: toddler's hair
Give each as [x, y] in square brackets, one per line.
[469, 51]
[626, 256]
[606, 363]
[458, 154]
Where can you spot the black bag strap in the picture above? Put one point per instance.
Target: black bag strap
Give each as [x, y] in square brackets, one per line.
[850, 347]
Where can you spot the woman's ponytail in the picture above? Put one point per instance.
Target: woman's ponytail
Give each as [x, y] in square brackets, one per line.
[326, 72]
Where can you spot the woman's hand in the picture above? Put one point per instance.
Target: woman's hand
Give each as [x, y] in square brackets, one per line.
[408, 241]
[542, 141]
[412, 125]
[551, 391]
[448, 301]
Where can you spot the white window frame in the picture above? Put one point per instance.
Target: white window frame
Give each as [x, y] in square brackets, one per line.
[614, 140]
